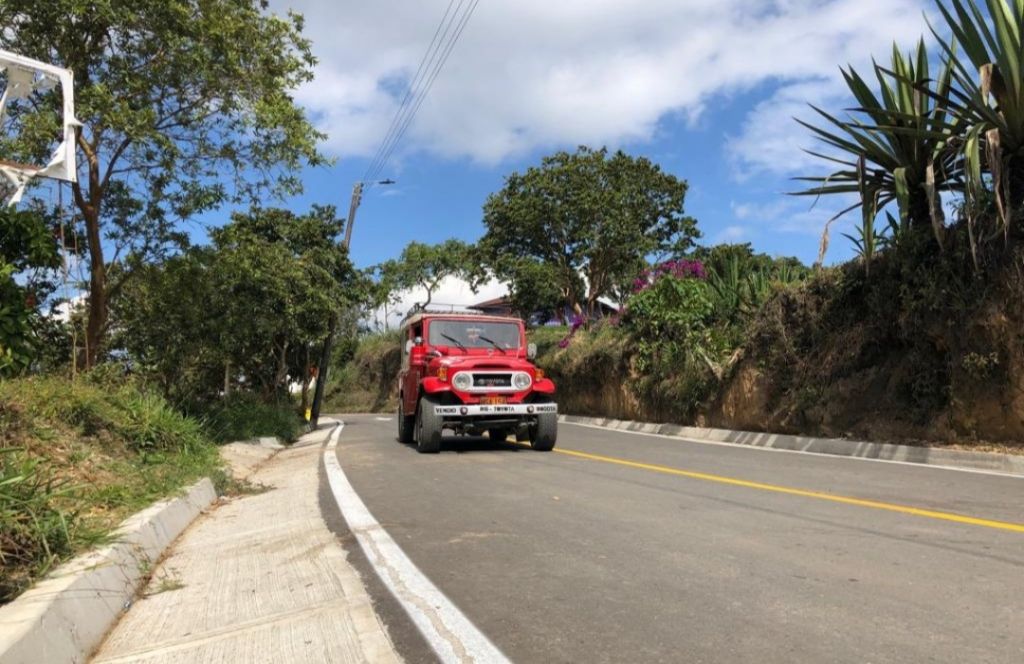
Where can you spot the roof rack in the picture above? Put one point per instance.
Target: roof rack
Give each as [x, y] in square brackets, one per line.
[448, 309]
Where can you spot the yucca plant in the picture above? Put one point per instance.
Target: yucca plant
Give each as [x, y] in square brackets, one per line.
[988, 100]
[893, 149]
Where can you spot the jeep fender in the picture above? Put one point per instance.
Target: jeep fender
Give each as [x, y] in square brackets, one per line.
[433, 385]
[544, 386]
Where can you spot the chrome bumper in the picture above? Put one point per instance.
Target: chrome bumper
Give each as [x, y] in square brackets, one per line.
[503, 409]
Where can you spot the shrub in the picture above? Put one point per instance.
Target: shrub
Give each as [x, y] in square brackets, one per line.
[76, 458]
[677, 348]
[34, 532]
[243, 416]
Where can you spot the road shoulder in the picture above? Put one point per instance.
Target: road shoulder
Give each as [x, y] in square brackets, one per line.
[260, 578]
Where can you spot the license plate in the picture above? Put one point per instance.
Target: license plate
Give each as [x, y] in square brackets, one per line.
[494, 399]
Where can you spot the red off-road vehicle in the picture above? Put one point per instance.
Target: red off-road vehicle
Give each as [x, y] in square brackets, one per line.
[472, 373]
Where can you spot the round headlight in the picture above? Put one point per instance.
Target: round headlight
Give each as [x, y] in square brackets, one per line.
[462, 381]
[521, 380]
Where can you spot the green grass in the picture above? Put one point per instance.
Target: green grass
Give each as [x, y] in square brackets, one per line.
[242, 416]
[76, 458]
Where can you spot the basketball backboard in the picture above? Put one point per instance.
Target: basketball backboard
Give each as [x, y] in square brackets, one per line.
[26, 77]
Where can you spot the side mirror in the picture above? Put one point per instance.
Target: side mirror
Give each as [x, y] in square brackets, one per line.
[408, 346]
[531, 351]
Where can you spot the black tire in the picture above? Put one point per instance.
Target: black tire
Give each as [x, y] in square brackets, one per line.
[544, 435]
[406, 424]
[428, 427]
[497, 435]
[523, 436]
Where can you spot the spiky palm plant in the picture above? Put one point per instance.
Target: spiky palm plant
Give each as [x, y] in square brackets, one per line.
[988, 99]
[892, 149]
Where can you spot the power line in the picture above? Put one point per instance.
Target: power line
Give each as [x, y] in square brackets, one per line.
[452, 24]
[413, 85]
[430, 63]
[430, 83]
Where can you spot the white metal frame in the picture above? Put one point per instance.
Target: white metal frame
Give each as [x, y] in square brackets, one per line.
[25, 76]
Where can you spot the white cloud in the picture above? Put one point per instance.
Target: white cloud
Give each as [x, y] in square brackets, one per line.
[730, 234]
[535, 73]
[759, 211]
[451, 292]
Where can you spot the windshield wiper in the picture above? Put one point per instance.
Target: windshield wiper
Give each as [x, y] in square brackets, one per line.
[490, 341]
[456, 342]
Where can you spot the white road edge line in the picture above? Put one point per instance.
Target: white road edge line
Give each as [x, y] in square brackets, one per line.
[697, 441]
[448, 631]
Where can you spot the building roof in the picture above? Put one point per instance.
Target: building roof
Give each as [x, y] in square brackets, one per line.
[502, 301]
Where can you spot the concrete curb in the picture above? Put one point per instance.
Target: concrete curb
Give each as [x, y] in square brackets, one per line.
[65, 617]
[931, 456]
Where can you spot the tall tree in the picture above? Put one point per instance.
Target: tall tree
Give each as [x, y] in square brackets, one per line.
[256, 300]
[427, 265]
[26, 246]
[590, 213]
[184, 105]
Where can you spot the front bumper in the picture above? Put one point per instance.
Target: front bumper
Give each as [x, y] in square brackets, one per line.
[482, 410]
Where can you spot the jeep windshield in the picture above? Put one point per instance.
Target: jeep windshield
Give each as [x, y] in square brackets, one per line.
[474, 334]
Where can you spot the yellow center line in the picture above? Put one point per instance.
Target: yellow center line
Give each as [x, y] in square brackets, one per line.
[860, 502]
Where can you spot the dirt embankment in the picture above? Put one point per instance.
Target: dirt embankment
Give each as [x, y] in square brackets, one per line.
[925, 349]
[946, 365]
[367, 383]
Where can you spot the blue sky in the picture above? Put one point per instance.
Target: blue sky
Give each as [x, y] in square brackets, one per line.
[705, 88]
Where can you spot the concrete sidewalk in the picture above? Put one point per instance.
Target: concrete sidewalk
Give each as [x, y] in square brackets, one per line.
[258, 579]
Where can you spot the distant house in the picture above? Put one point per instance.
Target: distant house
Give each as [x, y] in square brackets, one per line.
[502, 306]
[499, 306]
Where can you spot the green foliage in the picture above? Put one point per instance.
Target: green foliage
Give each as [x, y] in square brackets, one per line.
[426, 266]
[988, 107]
[670, 320]
[533, 286]
[586, 213]
[741, 281]
[258, 299]
[34, 532]
[184, 104]
[242, 416]
[963, 132]
[670, 323]
[77, 457]
[902, 342]
[893, 149]
[26, 245]
[142, 420]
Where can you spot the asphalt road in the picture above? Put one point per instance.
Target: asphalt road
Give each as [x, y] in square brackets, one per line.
[698, 552]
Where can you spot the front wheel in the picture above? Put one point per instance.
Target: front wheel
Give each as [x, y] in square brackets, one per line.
[406, 423]
[545, 433]
[428, 427]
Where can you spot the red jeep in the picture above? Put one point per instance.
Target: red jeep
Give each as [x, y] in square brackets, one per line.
[472, 373]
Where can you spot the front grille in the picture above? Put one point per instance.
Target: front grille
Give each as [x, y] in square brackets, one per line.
[492, 380]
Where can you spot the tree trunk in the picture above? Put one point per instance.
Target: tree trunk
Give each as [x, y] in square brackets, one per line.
[281, 375]
[97, 325]
[90, 207]
[305, 380]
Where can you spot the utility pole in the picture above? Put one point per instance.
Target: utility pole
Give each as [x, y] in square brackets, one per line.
[332, 328]
[357, 197]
